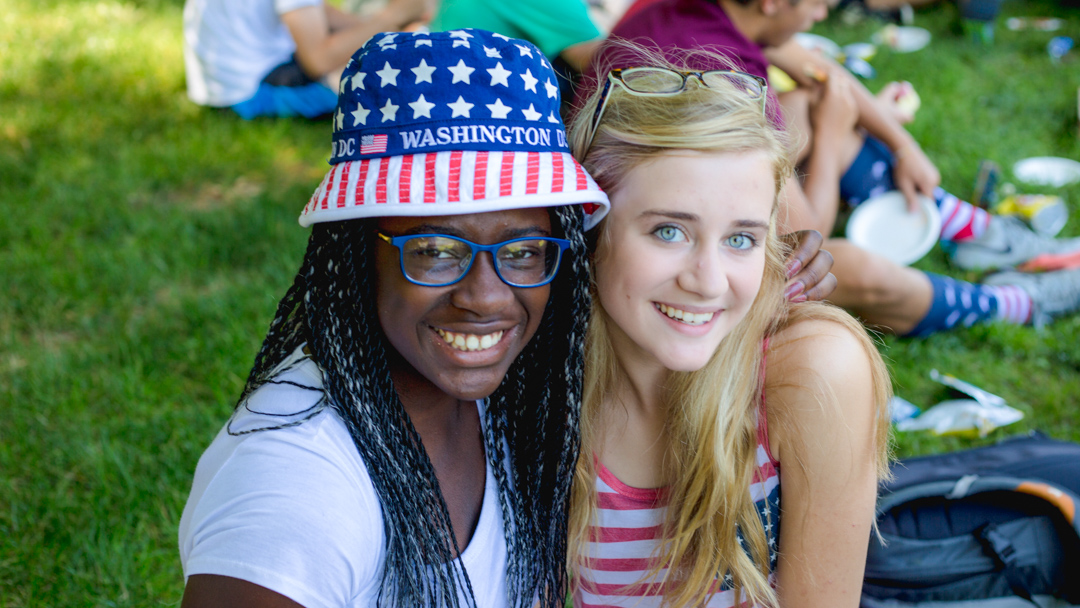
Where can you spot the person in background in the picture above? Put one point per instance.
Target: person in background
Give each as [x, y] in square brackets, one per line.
[278, 57]
[732, 442]
[853, 148]
[561, 28]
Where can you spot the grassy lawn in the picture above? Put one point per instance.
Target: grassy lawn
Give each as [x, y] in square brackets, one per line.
[145, 243]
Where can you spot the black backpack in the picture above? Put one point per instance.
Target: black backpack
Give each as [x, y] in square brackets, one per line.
[991, 527]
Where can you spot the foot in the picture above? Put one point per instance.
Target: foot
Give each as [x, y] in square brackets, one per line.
[1052, 293]
[1008, 242]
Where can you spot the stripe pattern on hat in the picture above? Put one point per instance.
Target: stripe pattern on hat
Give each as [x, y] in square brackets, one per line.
[451, 182]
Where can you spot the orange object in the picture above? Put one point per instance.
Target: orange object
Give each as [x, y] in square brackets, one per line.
[1051, 495]
[1049, 261]
[812, 71]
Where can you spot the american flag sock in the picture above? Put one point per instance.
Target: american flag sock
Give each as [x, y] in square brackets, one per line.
[959, 303]
[960, 220]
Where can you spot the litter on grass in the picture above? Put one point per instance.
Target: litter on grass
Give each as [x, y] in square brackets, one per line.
[978, 415]
[1041, 24]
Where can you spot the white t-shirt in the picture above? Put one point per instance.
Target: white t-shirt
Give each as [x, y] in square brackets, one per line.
[294, 509]
[231, 45]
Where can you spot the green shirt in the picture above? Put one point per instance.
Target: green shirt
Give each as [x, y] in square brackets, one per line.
[552, 25]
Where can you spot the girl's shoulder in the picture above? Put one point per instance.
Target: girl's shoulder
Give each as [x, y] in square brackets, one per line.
[823, 374]
[280, 488]
[819, 343]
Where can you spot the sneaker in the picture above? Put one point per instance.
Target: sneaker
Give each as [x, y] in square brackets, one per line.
[1008, 242]
[1052, 293]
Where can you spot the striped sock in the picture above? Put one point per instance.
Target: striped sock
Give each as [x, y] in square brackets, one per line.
[960, 220]
[959, 303]
[1013, 303]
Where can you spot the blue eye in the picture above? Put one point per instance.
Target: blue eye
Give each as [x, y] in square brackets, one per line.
[670, 234]
[741, 241]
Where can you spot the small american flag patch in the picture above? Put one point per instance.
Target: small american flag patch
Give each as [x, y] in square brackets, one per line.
[372, 144]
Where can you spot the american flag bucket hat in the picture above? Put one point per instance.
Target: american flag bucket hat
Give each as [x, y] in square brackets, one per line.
[448, 123]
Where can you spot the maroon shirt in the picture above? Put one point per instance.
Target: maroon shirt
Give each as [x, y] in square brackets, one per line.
[675, 26]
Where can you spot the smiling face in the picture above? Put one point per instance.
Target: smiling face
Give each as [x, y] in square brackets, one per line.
[458, 340]
[682, 255]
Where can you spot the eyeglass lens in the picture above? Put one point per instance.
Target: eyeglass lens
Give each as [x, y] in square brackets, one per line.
[438, 260]
[656, 80]
[648, 80]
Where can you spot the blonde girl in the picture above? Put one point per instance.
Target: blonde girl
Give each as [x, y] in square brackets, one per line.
[706, 391]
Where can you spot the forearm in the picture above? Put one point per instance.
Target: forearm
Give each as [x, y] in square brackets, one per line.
[821, 186]
[878, 122]
[339, 20]
[320, 49]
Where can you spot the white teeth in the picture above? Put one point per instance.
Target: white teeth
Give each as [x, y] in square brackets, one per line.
[470, 342]
[686, 317]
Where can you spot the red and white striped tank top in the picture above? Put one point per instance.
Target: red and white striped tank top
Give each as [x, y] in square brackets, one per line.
[626, 537]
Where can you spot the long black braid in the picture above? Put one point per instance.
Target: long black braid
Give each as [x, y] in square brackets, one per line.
[534, 413]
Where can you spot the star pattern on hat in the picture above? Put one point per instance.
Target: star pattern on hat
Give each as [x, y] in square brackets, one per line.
[436, 84]
[498, 110]
[421, 107]
[530, 80]
[461, 72]
[388, 75]
[462, 38]
[531, 113]
[423, 72]
[460, 107]
[499, 74]
[360, 115]
[389, 111]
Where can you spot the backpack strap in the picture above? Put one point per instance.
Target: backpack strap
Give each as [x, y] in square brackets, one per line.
[1000, 548]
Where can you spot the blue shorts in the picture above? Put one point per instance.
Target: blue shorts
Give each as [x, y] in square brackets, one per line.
[870, 174]
[287, 91]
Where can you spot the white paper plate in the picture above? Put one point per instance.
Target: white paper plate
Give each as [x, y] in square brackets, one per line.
[818, 43]
[883, 225]
[1047, 171]
[860, 50]
[902, 39]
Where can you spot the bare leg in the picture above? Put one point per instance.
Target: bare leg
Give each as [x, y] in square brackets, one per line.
[892, 297]
[796, 105]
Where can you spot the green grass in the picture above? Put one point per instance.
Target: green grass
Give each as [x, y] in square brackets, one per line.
[145, 243]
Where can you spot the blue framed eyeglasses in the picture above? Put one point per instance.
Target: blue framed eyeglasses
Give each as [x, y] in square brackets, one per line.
[438, 260]
[662, 82]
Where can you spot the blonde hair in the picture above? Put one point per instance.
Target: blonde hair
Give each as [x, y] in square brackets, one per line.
[713, 412]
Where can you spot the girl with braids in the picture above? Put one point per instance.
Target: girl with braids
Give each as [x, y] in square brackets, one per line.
[676, 500]
[408, 433]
